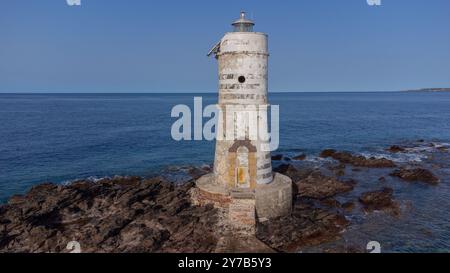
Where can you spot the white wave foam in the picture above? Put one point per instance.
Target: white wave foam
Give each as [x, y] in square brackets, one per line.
[398, 157]
[93, 179]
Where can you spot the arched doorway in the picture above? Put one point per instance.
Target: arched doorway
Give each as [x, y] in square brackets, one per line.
[242, 169]
[242, 165]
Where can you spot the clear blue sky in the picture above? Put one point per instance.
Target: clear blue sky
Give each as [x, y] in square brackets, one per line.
[161, 46]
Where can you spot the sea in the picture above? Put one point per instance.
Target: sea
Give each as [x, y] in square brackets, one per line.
[64, 137]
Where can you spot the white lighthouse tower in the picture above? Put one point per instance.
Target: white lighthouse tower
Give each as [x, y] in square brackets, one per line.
[243, 181]
[242, 158]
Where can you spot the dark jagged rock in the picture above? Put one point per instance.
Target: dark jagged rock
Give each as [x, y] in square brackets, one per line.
[196, 172]
[310, 183]
[294, 173]
[153, 215]
[319, 186]
[417, 174]
[348, 206]
[306, 227]
[112, 215]
[396, 149]
[380, 200]
[277, 157]
[340, 172]
[330, 203]
[358, 160]
[327, 153]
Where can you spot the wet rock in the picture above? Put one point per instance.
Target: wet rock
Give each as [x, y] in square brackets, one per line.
[358, 160]
[277, 157]
[379, 200]
[319, 186]
[306, 227]
[331, 203]
[348, 206]
[294, 173]
[396, 149]
[416, 174]
[196, 172]
[299, 157]
[352, 182]
[340, 172]
[327, 153]
[382, 179]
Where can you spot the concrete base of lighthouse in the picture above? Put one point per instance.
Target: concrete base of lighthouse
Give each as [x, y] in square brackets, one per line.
[242, 208]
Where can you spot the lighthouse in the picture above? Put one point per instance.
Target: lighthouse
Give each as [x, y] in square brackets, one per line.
[242, 157]
[242, 181]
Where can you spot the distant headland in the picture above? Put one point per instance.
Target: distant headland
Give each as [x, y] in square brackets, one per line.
[429, 90]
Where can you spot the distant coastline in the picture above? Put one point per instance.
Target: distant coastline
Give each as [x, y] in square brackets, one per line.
[429, 90]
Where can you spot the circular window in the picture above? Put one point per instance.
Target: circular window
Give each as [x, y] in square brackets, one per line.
[241, 79]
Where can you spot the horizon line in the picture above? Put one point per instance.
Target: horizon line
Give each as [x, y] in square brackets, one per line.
[201, 92]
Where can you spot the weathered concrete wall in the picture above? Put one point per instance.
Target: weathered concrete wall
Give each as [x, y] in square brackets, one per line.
[210, 192]
[274, 199]
[243, 61]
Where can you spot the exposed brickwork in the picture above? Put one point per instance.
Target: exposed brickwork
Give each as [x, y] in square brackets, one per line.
[202, 198]
[242, 215]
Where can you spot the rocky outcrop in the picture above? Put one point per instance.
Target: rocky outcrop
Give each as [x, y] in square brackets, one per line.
[277, 157]
[319, 186]
[396, 149]
[379, 200]
[147, 215]
[307, 226]
[294, 173]
[112, 215]
[310, 183]
[195, 173]
[327, 153]
[416, 174]
[348, 206]
[357, 160]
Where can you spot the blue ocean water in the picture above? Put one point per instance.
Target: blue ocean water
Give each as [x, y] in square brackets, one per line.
[62, 137]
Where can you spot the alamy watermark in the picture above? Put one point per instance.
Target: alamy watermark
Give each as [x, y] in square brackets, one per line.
[74, 247]
[227, 122]
[373, 247]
